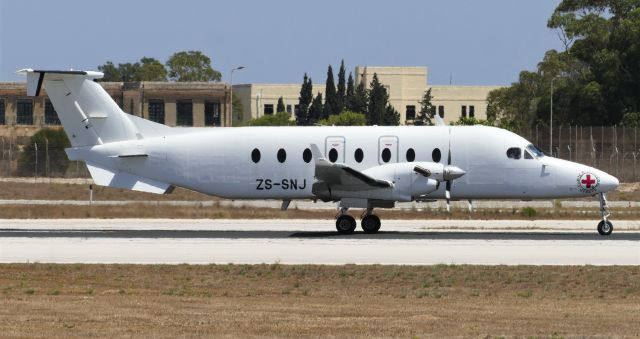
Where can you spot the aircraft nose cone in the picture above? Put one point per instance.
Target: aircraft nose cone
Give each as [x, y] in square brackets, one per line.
[452, 172]
[609, 182]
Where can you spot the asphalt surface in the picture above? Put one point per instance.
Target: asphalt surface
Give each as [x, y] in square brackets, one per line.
[290, 241]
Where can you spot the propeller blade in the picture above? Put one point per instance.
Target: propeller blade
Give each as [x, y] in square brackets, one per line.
[447, 195]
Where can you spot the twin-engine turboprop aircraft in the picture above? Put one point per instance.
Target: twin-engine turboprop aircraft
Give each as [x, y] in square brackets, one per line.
[357, 167]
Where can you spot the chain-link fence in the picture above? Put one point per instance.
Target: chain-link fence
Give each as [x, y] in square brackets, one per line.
[609, 148]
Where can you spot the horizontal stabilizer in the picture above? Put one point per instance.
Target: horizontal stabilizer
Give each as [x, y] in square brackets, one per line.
[107, 177]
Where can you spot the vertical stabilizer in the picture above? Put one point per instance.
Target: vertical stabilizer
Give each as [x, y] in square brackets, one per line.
[87, 112]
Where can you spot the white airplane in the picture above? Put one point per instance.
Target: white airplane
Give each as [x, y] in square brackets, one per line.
[357, 167]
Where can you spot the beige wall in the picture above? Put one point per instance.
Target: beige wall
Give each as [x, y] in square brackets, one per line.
[406, 86]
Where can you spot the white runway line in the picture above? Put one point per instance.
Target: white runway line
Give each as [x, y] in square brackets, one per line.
[318, 246]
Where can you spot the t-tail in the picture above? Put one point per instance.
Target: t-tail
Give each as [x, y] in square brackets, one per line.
[101, 134]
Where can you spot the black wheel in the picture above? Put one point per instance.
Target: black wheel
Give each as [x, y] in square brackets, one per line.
[605, 227]
[370, 223]
[345, 224]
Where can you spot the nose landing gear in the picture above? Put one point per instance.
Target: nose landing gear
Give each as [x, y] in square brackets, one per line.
[605, 227]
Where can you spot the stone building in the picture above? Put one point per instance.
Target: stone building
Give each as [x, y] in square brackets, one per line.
[170, 103]
[405, 85]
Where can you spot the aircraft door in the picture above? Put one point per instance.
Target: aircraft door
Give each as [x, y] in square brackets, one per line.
[387, 149]
[334, 149]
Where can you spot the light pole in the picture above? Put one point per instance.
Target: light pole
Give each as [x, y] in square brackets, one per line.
[551, 121]
[231, 90]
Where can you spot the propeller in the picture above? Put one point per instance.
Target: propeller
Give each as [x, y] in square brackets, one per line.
[449, 174]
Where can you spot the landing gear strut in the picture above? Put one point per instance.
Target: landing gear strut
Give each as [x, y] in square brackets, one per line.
[605, 227]
[370, 222]
[345, 224]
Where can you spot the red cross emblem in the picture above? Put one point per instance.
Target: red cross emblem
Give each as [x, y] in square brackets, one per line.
[588, 181]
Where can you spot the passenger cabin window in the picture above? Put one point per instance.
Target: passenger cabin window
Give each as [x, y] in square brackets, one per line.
[358, 155]
[255, 155]
[514, 153]
[333, 155]
[411, 155]
[436, 155]
[306, 155]
[282, 155]
[386, 155]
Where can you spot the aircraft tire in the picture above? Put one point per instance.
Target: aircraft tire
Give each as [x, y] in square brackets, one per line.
[345, 224]
[605, 227]
[370, 224]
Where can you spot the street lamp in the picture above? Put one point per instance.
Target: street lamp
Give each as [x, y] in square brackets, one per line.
[231, 90]
[551, 120]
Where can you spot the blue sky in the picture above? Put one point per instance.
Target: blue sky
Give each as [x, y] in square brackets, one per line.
[471, 42]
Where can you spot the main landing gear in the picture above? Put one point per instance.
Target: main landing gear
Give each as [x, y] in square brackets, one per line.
[605, 227]
[346, 224]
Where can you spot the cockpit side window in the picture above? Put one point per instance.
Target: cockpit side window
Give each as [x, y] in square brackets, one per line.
[527, 155]
[535, 150]
[514, 153]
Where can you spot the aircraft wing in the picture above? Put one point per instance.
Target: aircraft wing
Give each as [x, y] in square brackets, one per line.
[342, 177]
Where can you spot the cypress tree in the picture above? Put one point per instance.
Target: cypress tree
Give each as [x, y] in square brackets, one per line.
[330, 95]
[316, 110]
[306, 96]
[341, 94]
[391, 117]
[348, 98]
[378, 99]
[280, 107]
[427, 109]
[359, 102]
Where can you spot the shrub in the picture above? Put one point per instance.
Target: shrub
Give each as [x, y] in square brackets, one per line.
[51, 143]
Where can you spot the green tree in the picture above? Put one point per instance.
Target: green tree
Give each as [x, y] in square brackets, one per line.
[238, 108]
[341, 92]
[151, 70]
[304, 101]
[280, 106]
[360, 100]
[111, 72]
[191, 66]
[346, 118]
[631, 119]
[331, 97]
[378, 99]
[468, 121]
[129, 72]
[316, 110]
[350, 93]
[427, 110]
[391, 117]
[55, 140]
[278, 119]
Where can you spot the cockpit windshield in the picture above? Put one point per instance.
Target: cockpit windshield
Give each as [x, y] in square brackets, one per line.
[535, 150]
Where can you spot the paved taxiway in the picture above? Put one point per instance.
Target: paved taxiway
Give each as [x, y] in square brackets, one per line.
[290, 241]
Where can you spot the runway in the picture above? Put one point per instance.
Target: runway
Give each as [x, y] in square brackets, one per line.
[291, 241]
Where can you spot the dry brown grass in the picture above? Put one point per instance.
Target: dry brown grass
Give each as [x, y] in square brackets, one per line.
[46, 300]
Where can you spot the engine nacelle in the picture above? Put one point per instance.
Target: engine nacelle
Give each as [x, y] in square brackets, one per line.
[407, 182]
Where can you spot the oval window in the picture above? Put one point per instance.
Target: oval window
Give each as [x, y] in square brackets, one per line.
[514, 153]
[306, 155]
[255, 155]
[435, 155]
[411, 155]
[282, 155]
[333, 155]
[386, 155]
[358, 155]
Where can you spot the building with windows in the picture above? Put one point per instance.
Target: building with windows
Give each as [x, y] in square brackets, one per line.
[171, 103]
[405, 85]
